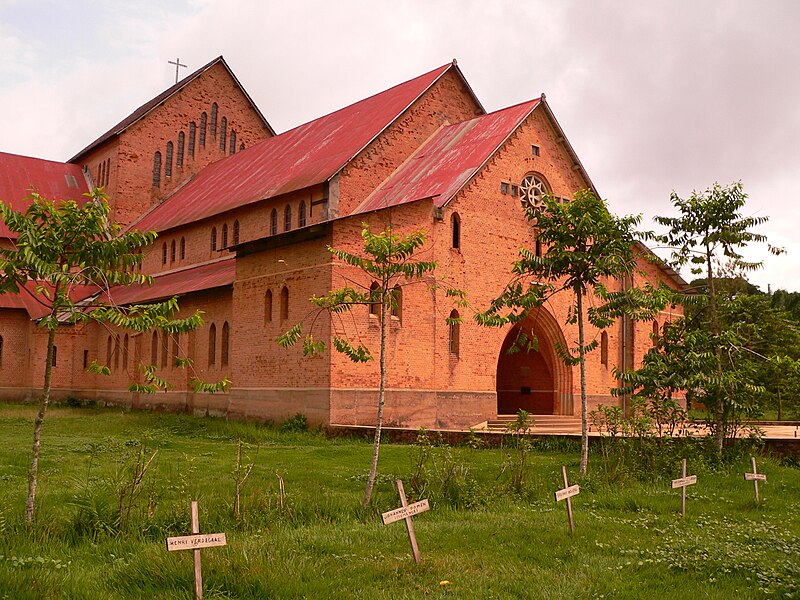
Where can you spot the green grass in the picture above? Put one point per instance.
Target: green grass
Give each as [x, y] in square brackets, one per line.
[489, 542]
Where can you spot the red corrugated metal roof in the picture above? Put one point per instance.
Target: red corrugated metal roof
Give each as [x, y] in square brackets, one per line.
[26, 300]
[53, 180]
[448, 160]
[192, 279]
[148, 106]
[307, 155]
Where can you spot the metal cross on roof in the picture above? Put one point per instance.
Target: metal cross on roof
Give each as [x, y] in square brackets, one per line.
[178, 65]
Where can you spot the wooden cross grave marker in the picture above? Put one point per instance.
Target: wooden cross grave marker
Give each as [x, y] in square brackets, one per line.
[682, 483]
[195, 542]
[406, 511]
[566, 494]
[755, 476]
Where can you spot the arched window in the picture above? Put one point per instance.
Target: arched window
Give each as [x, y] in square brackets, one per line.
[172, 252]
[214, 109]
[183, 248]
[213, 239]
[168, 164]
[109, 349]
[154, 349]
[397, 302]
[538, 247]
[164, 253]
[1, 350]
[116, 352]
[157, 169]
[241, 146]
[181, 144]
[235, 232]
[125, 350]
[223, 133]
[268, 307]
[374, 299]
[532, 190]
[175, 346]
[212, 345]
[287, 218]
[203, 126]
[655, 333]
[224, 235]
[455, 222]
[100, 173]
[192, 137]
[164, 349]
[604, 349]
[284, 303]
[301, 215]
[273, 222]
[226, 335]
[454, 324]
[232, 145]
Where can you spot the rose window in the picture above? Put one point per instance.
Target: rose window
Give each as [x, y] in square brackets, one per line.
[532, 191]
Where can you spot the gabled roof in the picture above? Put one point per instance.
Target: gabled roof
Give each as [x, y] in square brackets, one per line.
[448, 160]
[195, 278]
[53, 180]
[145, 108]
[304, 156]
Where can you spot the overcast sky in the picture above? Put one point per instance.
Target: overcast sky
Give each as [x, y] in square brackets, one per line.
[655, 95]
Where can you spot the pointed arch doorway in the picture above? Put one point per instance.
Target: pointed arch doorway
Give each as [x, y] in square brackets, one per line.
[537, 381]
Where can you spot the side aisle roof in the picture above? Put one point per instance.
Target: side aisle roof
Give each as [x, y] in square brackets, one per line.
[304, 156]
[19, 175]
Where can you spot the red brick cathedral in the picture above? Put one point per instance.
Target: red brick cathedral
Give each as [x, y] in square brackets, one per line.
[244, 215]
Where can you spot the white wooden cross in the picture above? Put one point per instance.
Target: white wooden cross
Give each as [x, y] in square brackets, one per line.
[195, 542]
[406, 511]
[682, 483]
[755, 476]
[566, 494]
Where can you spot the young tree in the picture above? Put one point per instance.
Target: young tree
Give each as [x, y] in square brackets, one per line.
[709, 235]
[586, 247]
[61, 247]
[388, 263]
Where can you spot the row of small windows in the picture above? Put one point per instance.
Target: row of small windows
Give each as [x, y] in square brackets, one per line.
[174, 248]
[224, 236]
[284, 306]
[226, 141]
[103, 173]
[396, 301]
[287, 218]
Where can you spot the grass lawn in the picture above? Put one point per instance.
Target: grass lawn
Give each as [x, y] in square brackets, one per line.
[485, 540]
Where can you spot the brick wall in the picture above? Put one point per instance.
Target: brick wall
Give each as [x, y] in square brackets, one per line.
[447, 101]
[132, 152]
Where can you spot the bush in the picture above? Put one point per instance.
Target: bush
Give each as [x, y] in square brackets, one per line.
[295, 424]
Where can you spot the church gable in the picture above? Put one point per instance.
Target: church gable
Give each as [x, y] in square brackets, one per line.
[153, 151]
[448, 100]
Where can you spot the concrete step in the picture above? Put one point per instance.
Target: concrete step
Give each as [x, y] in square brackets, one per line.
[565, 423]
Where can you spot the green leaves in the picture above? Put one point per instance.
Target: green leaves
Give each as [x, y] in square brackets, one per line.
[77, 260]
[585, 249]
[387, 260]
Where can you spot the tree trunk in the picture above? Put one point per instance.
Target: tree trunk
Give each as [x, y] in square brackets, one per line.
[719, 401]
[584, 420]
[779, 402]
[376, 444]
[33, 477]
